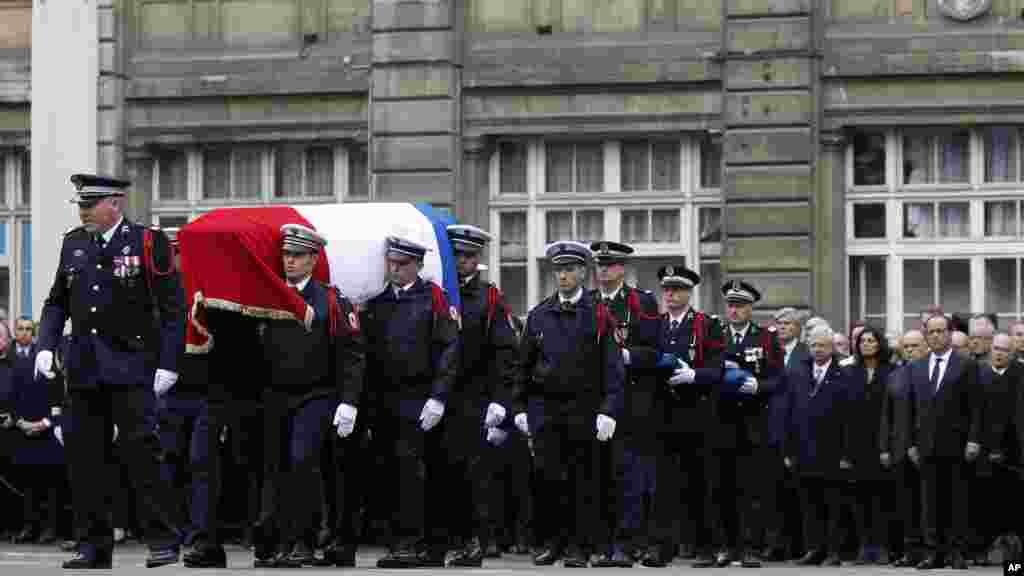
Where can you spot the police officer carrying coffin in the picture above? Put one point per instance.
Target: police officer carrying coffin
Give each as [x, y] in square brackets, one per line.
[489, 365]
[570, 391]
[694, 341]
[412, 339]
[626, 462]
[739, 441]
[111, 276]
[316, 378]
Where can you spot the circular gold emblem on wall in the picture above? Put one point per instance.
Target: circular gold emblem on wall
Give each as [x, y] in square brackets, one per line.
[964, 10]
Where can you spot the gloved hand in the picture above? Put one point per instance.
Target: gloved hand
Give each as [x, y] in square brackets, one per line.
[522, 423]
[605, 428]
[749, 386]
[844, 464]
[495, 415]
[914, 455]
[345, 419]
[59, 435]
[735, 378]
[163, 381]
[431, 414]
[44, 364]
[625, 356]
[971, 451]
[731, 365]
[114, 439]
[885, 459]
[667, 361]
[496, 436]
[684, 375]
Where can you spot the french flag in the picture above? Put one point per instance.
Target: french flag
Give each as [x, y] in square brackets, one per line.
[231, 257]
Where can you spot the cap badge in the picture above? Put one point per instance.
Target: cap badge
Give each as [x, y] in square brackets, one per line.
[670, 271]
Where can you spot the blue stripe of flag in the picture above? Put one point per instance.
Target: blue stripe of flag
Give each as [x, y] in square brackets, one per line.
[440, 221]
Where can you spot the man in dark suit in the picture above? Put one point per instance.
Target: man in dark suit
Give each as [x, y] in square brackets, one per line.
[115, 281]
[944, 431]
[1004, 408]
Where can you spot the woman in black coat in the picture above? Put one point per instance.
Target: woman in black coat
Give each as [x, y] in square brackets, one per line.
[865, 379]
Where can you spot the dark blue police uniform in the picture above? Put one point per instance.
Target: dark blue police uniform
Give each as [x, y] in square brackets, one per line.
[110, 291]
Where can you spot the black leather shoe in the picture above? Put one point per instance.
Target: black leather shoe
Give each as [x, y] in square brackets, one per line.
[723, 559]
[265, 562]
[547, 557]
[430, 559]
[472, 556]
[47, 537]
[704, 561]
[341, 555]
[300, 555]
[906, 561]
[833, 560]
[653, 558]
[203, 556]
[89, 560]
[27, 535]
[575, 560]
[68, 546]
[403, 558]
[931, 562]
[493, 551]
[812, 558]
[770, 554]
[957, 562]
[617, 559]
[750, 560]
[687, 552]
[162, 557]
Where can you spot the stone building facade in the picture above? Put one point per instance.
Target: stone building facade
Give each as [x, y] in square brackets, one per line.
[859, 158]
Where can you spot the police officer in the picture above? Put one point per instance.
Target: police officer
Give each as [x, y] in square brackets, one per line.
[693, 341]
[413, 345]
[489, 365]
[112, 277]
[739, 440]
[316, 378]
[570, 392]
[626, 464]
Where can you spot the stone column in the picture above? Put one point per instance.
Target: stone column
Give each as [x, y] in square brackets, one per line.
[472, 201]
[830, 267]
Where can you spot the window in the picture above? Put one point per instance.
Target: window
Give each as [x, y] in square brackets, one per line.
[869, 220]
[574, 167]
[710, 284]
[640, 159]
[868, 159]
[936, 157]
[1001, 154]
[589, 225]
[358, 172]
[304, 171]
[710, 224]
[513, 236]
[513, 254]
[655, 226]
[1001, 218]
[711, 161]
[26, 178]
[235, 172]
[173, 174]
[1001, 287]
[140, 172]
[919, 220]
[512, 167]
[868, 289]
[944, 282]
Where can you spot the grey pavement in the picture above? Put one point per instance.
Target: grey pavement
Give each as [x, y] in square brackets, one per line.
[129, 559]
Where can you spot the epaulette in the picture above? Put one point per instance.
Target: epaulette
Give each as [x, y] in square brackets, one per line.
[70, 230]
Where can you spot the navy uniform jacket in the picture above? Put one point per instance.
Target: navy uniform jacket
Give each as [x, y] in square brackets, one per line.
[110, 298]
[317, 363]
[489, 361]
[816, 439]
[688, 406]
[864, 413]
[567, 366]
[943, 422]
[635, 314]
[412, 349]
[32, 404]
[744, 421]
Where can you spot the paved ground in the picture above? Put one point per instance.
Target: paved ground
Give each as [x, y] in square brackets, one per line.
[18, 560]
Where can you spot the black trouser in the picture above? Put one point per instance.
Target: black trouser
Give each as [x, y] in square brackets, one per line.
[944, 505]
[908, 477]
[610, 485]
[9, 473]
[42, 486]
[1001, 502]
[772, 499]
[737, 491]
[872, 500]
[512, 490]
[352, 460]
[821, 503]
[565, 448]
[470, 485]
[246, 433]
[90, 454]
[411, 466]
[679, 507]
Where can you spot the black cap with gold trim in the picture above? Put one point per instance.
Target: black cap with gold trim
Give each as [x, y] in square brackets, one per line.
[92, 188]
[740, 292]
[677, 277]
[299, 238]
[610, 252]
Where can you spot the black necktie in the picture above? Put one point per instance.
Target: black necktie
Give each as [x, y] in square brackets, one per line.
[100, 241]
[568, 306]
[736, 339]
[935, 373]
[673, 326]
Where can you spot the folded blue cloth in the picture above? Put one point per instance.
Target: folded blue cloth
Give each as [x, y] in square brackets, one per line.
[667, 361]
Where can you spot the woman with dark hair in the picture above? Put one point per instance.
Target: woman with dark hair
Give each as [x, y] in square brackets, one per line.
[865, 379]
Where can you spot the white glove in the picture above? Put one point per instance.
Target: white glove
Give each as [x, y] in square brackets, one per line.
[495, 415]
[345, 419]
[44, 364]
[496, 436]
[749, 386]
[684, 375]
[522, 423]
[605, 428]
[731, 365]
[164, 381]
[431, 414]
[59, 435]
[625, 356]
[115, 434]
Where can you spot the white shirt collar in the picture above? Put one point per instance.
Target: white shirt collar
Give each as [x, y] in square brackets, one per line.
[823, 368]
[742, 333]
[999, 371]
[398, 289]
[613, 295]
[944, 356]
[575, 298]
[791, 345]
[302, 284]
[679, 318]
[110, 233]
